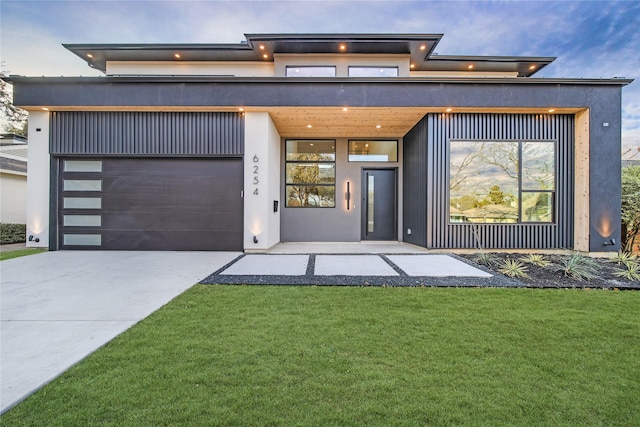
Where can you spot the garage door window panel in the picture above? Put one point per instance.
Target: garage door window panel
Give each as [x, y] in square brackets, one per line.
[82, 203]
[82, 185]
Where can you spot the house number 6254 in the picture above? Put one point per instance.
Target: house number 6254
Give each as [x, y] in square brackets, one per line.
[255, 175]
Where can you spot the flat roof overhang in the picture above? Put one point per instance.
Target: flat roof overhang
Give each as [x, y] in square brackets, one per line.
[525, 66]
[261, 47]
[395, 106]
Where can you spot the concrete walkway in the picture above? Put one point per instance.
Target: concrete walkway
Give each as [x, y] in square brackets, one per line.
[396, 268]
[58, 307]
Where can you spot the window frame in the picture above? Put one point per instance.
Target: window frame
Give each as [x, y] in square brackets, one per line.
[521, 191]
[317, 162]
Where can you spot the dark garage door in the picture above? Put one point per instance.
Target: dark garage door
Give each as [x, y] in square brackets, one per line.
[151, 204]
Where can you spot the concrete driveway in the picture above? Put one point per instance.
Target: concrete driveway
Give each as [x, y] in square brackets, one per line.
[58, 307]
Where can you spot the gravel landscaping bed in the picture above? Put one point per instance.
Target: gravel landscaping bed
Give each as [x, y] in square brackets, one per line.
[554, 276]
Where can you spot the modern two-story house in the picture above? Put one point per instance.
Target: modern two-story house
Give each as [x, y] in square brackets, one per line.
[320, 137]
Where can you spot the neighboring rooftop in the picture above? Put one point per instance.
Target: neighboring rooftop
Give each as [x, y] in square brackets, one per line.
[12, 139]
[263, 47]
[13, 154]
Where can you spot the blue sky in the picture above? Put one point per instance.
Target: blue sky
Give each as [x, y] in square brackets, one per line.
[591, 39]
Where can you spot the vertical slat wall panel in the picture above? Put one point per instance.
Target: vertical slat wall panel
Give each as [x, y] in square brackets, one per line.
[147, 133]
[415, 191]
[442, 128]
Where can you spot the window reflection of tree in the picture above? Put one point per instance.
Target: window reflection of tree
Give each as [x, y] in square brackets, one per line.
[485, 181]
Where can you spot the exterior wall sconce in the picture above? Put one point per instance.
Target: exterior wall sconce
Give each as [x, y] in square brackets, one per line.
[610, 242]
[255, 239]
[347, 195]
[31, 239]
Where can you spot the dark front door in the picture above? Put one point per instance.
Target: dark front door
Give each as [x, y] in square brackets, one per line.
[379, 204]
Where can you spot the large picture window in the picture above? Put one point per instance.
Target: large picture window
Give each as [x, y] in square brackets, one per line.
[502, 181]
[310, 173]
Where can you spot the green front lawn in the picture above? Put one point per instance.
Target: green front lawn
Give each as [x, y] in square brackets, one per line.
[19, 253]
[316, 356]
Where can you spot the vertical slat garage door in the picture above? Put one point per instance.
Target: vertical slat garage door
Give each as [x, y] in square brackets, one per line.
[150, 204]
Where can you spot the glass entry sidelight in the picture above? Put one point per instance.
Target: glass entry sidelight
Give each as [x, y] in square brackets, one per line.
[379, 204]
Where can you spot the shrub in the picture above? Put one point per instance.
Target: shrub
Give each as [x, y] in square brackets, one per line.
[630, 205]
[536, 259]
[12, 233]
[513, 268]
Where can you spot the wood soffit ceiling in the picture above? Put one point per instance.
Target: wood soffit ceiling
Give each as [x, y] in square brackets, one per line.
[333, 122]
[353, 123]
[362, 122]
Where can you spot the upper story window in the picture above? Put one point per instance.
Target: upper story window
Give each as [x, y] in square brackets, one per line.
[311, 71]
[373, 71]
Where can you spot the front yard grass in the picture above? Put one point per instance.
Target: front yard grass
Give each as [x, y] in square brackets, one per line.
[20, 252]
[267, 355]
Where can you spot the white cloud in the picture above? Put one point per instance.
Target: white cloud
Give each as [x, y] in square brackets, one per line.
[590, 39]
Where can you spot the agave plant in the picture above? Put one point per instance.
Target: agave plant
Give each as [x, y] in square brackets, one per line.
[536, 259]
[625, 258]
[486, 259]
[579, 267]
[513, 268]
[632, 271]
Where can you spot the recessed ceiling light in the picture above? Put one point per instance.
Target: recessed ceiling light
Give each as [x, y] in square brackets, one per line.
[45, 108]
[309, 126]
[366, 145]
[470, 66]
[261, 47]
[551, 110]
[378, 126]
[533, 67]
[423, 47]
[343, 47]
[177, 55]
[345, 109]
[265, 56]
[89, 55]
[240, 109]
[448, 110]
[413, 65]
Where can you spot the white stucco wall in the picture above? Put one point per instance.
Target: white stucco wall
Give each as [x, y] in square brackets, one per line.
[190, 68]
[38, 179]
[13, 198]
[261, 182]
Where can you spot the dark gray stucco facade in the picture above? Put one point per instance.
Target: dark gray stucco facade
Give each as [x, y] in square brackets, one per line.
[602, 98]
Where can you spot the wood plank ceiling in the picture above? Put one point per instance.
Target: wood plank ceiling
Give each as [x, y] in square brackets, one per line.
[334, 122]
